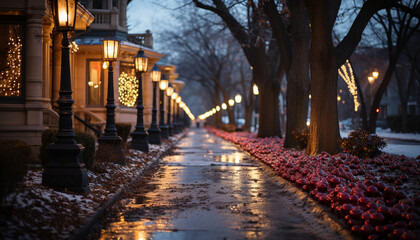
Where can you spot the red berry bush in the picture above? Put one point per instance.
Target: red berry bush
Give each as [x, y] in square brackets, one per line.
[378, 198]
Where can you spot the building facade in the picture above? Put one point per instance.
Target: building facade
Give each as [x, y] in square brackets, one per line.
[30, 66]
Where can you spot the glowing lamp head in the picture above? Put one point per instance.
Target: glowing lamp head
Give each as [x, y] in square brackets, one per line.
[169, 91]
[140, 61]
[224, 106]
[255, 89]
[64, 12]
[378, 110]
[231, 102]
[375, 74]
[217, 108]
[371, 79]
[110, 49]
[213, 110]
[182, 105]
[238, 98]
[174, 95]
[155, 74]
[338, 98]
[163, 84]
[178, 99]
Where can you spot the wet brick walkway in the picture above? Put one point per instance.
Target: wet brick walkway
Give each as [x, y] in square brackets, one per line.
[210, 189]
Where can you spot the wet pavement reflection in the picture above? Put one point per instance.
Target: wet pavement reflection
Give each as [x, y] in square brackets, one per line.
[210, 189]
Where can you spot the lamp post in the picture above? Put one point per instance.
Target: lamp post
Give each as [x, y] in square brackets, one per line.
[174, 123]
[238, 99]
[256, 92]
[169, 92]
[154, 131]
[231, 103]
[371, 79]
[163, 85]
[65, 169]
[178, 123]
[110, 144]
[139, 135]
[182, 116]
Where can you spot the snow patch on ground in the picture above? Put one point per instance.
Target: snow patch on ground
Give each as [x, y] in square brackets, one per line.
[33, 211]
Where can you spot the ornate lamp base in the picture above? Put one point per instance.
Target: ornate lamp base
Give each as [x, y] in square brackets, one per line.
[154, 136]
[139, 141]
[110, 149]
[65, 170]
[164, 132]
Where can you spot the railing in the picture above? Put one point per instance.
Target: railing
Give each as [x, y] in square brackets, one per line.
[143, 39]
[88, 125]
[101, 16]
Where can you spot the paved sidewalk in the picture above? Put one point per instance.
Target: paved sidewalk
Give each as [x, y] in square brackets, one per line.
[210, 189]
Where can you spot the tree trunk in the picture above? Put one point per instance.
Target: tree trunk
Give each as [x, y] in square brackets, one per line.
[404, 117]
[269, 122]
[380, 92]
[230, 115]
[363, 113]
[248, 118]
[323, 133]
[298, 82]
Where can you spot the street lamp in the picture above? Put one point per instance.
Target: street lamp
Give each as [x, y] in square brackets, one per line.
[110, 144]
[154, 131]
[169, 92]
[65, 169]
[177, 122]
[163, 85]
[371, 79]
[238, 99]
[224, 106]
[256, 92]
[231, 102]
[139, 135]
[174, 126]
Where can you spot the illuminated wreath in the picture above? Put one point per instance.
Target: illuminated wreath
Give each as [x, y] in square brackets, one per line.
[128, 89]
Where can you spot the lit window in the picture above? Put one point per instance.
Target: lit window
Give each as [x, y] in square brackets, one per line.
[11, 60]
[95, 83]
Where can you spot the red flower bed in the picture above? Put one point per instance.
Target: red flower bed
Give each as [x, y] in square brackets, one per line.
[378, 198]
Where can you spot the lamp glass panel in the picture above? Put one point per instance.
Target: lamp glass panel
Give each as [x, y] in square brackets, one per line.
[163, 84]
[169, 91]
[65, 13]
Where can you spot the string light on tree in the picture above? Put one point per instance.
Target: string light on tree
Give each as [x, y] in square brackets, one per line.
[128, 89]
[10, 78]
[348, 77]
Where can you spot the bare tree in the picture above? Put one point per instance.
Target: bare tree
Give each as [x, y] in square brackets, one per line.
[291, 31]
[399, 26]
[253, 34]
[208, 56]
[325, 58]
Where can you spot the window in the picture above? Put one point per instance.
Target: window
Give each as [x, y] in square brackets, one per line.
[12, 59]
[95, 83]
[100, 4]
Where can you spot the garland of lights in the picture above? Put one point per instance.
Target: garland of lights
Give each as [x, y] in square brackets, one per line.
[348, 77]
[128, 89]
[10, 78]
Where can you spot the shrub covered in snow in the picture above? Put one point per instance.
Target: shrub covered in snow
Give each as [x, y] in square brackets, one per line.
[123, 130]
[14, 156]
[88, 141]
[363, 144]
